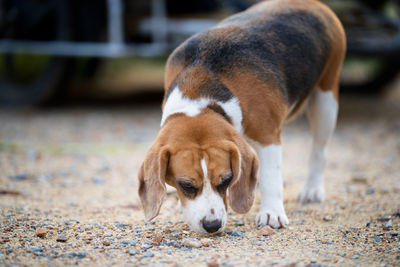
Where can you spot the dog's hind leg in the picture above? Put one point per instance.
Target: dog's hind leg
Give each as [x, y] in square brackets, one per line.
[321, 113]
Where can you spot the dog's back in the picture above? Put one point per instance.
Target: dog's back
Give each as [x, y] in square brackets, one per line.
[285, 44]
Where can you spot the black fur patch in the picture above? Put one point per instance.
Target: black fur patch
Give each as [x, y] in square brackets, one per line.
[287, 51]
[218, 109]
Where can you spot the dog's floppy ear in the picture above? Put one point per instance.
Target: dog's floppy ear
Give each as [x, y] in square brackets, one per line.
[245, 166]
[152, 180]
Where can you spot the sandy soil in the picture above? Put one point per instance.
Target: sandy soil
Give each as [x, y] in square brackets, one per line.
[68, 194]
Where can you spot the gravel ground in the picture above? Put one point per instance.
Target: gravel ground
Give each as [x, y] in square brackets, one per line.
[68, 194]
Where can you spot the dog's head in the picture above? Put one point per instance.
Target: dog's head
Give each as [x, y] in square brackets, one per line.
[208, 164]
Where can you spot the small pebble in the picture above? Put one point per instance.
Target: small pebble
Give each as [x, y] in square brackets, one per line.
[81, 254]
[36, 249]
[370, 191]
[132, 252]
[106, 243]
[359, 179]
[177, 245]
[157, 240]
[236, 233]
[19, 177]
[148, 254]
[192, 243]
[205, 242]
[387, 225]
[147, 246]
[121, 225]
[9, 192]
[128, 242]
[62, 238]
[327, 218]
[40, 233]
[265, 231]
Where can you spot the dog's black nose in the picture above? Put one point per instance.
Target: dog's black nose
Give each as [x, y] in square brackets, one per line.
[212, 226]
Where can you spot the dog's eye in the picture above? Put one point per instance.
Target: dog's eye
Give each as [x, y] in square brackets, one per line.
[224, 184]
[188, 189]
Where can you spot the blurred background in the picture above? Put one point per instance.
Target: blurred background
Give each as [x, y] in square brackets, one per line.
[81, 83]
[55, 51]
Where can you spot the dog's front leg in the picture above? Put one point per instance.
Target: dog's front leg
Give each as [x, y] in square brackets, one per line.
[272, 212]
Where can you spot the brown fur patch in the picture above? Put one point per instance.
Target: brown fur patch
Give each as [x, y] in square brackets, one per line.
[263, 108]
[194, 78]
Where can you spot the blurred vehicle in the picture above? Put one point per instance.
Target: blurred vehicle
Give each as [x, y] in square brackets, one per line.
[40, 40]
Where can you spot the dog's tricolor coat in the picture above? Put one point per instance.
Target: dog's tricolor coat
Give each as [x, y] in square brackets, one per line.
[235, 85]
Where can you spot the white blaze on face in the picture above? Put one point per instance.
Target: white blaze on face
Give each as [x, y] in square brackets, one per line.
[208, 206]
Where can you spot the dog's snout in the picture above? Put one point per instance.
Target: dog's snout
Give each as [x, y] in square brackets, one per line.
[213, 226]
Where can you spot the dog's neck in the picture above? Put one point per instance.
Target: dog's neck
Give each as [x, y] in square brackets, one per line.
[177, 103]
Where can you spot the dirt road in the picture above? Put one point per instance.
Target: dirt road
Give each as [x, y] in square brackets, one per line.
[68, 194]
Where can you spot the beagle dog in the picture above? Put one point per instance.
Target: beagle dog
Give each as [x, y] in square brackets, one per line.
[228, 91]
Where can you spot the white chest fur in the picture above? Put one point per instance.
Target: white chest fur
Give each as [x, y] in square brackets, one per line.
[177, 103]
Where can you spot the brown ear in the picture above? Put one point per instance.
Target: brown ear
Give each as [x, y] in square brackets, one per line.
[245, 170]
[152, 180]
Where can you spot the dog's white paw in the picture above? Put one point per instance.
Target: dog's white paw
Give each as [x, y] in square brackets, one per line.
[310, 194]
[272, 218]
